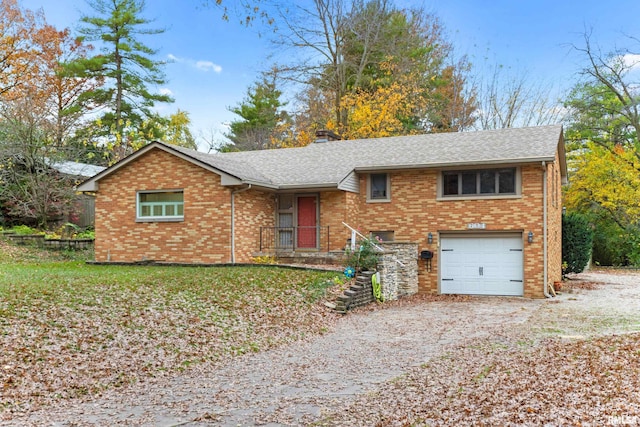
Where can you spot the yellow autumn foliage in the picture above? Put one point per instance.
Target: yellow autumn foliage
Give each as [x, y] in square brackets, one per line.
[378, 114]
[608, 179]
[384, 111]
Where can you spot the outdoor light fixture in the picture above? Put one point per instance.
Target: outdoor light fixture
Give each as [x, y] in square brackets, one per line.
[430, 238]
[530, 237]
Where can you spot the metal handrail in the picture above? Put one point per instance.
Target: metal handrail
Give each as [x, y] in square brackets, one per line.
[355, 232]
[286, 238]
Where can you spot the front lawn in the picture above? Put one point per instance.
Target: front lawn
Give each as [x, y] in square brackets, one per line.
[69, 329]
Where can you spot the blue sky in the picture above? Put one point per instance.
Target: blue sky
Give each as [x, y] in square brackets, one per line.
[215, 61]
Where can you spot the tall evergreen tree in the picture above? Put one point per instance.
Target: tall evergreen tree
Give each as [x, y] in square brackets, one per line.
[261, 118]
[128, 67]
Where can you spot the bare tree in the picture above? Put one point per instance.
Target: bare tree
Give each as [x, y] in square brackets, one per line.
[213, 139]
[29, 189]
[317, 32]
[512, 100]
[613, 71]
[350, 48]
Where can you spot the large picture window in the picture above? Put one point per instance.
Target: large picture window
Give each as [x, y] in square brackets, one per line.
[154, 205]
[485, 182]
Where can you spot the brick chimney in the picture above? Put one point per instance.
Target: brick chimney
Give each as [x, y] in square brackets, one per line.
[324, 135]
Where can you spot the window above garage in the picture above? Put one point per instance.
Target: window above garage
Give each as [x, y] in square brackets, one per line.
[477, 183]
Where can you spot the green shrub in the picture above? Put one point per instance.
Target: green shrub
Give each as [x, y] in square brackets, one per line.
[609, 247]
[86, 234]
[364, 257]
[24, 230]
[577, 240]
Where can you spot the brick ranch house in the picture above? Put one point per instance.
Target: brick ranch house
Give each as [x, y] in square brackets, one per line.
[487, 205]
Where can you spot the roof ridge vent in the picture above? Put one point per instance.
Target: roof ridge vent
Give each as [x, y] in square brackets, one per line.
[324, 135]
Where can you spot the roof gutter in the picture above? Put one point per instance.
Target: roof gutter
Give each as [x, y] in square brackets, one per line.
[453, 164]
[317, 186]
[233, 222]
[544, 232]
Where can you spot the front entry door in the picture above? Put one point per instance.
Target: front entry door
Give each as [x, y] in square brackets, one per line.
[307, 222]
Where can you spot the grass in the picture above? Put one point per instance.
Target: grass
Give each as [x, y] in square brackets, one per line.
[69, 329]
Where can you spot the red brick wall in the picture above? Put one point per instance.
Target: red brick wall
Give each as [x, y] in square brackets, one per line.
[333, 208]
[554, 220]
[337, 207]
[414, 211]
[253, 209]
[203, 236]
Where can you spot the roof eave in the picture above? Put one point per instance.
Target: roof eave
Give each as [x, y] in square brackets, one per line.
[260, 184]
[310, 186]
[91, 184]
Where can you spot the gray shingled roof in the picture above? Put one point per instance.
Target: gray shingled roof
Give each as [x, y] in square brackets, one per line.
[330, 162]
[327, 164]
[224, 162]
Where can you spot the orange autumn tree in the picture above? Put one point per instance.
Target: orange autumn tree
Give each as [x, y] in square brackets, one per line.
[40, 108]
[314, 107]
[16, 49]
[369, 68]
[63, 95]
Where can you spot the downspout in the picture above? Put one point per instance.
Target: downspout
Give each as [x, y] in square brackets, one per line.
[233, 222]
[544, 229]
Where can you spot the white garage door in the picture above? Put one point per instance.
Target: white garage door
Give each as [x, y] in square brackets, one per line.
[488, 265]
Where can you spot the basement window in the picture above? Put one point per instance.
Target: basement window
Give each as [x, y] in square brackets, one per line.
[160, 205]
[382, 236]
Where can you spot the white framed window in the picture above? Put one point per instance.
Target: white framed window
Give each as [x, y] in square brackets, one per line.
[479, 183]
[160, 205]
[378, 187]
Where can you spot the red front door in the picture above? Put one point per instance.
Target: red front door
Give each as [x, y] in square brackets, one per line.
[307, 221]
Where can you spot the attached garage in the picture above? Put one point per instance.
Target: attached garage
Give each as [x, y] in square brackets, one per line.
[488, 264]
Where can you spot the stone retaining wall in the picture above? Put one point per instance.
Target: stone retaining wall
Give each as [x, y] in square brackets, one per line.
[398, 267]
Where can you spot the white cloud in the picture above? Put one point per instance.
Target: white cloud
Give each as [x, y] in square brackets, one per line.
[165, 91]
[200, 65]
[631, 61]
[208, 66]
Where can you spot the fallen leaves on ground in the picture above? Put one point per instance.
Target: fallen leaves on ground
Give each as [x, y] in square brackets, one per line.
[510, 382]
[70, 330]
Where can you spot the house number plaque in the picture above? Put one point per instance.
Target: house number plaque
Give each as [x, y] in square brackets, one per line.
[476, 226]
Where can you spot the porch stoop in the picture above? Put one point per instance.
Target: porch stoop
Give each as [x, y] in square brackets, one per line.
[306, 257]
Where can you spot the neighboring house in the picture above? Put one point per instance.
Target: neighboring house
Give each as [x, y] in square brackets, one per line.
[85, 203]
[75, 169]
[487, 204]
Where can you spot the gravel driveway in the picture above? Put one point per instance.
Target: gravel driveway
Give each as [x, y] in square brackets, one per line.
[292, 385]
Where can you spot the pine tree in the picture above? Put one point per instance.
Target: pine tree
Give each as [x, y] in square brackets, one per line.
[128, 67]
[261, 116]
